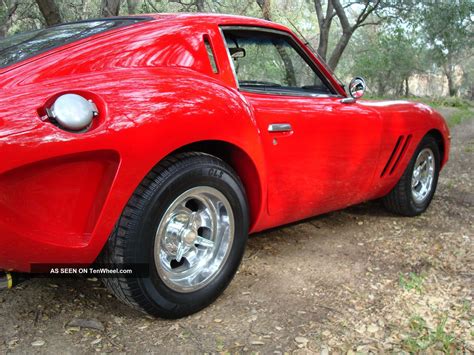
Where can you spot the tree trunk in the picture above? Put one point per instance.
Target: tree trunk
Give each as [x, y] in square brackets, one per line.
[132, 6]
[380, 87]
[407, 87]
[110, 8]
[200, 6]
[448, 69]
[265, 6]
[348, 29]
[339, 49]
[290, 70]
[323, 42]
[50, 12]
[451, 86]
[324, 23]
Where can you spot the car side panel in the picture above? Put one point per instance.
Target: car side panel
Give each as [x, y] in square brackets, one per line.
[63, 192]
[325, 162]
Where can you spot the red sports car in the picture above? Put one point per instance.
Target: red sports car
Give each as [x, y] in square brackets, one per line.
[164, 140]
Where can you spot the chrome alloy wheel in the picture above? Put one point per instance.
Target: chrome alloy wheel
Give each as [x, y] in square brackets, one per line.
[423, 175]
[194, 239]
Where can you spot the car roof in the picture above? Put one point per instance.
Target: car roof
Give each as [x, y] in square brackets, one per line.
[215, 19]
[161, 20]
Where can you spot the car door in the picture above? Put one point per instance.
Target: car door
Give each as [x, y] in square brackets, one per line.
[321, 153]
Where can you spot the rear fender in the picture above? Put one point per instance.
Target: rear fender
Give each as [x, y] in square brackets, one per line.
[147, 114]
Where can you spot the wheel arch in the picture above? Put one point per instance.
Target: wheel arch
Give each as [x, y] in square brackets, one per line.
[436, 134]
[241, 162]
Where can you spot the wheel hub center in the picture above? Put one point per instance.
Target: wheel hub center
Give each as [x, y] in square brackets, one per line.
[189, 237]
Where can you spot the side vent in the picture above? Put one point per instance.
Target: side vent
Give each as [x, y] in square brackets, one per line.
[397, 154]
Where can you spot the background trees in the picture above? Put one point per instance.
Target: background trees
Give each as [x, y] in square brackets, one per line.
[393, 43]
[50, 11]
[447, 30]
[387, 59]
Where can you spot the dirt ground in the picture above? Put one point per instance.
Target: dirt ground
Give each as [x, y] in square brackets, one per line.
[356, 280]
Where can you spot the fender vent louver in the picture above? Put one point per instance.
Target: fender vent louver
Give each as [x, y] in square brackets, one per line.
[397, 154]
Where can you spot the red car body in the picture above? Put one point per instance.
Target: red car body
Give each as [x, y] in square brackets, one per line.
[61, 193]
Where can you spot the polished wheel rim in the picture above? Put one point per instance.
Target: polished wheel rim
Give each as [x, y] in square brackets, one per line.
[423, 175]
[194, 238]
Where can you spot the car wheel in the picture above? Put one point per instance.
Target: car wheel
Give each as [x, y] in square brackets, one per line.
[188, 223]
[413, 193]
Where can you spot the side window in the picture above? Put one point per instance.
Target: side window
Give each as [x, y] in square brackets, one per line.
[272, 62]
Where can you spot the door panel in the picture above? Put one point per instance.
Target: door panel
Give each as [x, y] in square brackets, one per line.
[321, 154]
[328, 159]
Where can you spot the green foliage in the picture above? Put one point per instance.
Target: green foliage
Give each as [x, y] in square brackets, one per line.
[29, 19]
[459, 117]
[426, 38]
[386, 57]
[447, 29]
[412, 282]
[422, 338]
[454, 102]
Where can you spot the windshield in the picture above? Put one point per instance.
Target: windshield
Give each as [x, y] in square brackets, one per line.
[22, 46]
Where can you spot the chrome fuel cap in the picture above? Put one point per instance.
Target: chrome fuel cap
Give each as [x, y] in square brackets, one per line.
[73, 112]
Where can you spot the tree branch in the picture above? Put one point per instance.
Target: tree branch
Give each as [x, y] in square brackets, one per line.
[341, 13]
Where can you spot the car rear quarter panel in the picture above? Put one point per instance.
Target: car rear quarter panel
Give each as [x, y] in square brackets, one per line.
[61, 193]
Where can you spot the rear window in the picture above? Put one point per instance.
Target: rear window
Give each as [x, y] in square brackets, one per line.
[22, 46]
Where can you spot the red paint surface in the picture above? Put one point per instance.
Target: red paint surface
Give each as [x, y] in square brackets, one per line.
[61, 193]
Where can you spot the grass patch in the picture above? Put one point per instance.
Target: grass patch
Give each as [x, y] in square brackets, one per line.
[469, 148]
[422, 338]
[462, 108]
[466, 305]
[459, 116]
[455, 102]
[412, 282]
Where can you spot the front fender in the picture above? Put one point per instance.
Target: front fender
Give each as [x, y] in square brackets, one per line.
[404, 124]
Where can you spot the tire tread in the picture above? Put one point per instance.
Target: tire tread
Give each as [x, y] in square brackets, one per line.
[399, 199]
[128, 290]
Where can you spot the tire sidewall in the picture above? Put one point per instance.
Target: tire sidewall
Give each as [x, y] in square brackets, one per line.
[419, 207]
[167, 302]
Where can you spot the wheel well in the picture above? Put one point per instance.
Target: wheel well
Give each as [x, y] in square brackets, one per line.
[439, 139]
[240, 162]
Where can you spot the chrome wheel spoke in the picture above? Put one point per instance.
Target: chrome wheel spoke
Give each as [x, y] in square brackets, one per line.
[192, 258]
[204, 242]
[182, 249]
[205, 220]
[194, 221]
[422, 176]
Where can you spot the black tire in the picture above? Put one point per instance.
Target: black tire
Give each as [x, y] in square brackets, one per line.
[400, 200]
[133, 239]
